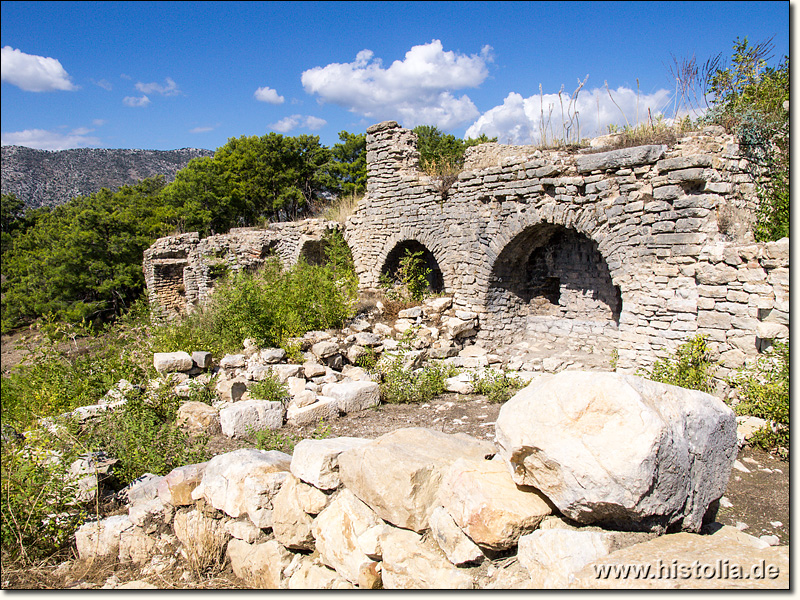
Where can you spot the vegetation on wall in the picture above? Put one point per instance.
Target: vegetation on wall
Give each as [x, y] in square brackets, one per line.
[749, 100]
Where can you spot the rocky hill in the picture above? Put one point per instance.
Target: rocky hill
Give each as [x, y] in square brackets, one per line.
[48, 178]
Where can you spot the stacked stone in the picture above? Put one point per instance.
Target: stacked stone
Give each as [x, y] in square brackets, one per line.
[417, 508]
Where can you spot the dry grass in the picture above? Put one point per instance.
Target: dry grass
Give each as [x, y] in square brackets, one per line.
[342, 208]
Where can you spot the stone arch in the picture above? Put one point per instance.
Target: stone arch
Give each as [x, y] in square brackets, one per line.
[551, 277]
[434, 254]
[313, 251]
[391, 265]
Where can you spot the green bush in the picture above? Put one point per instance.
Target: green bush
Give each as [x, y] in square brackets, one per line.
[144, 436]
[763, 391]
[269, 389]
[497, 386]
[690, 367]
[268, 306]
[400, 385]
[410, 282]
[38, 509]
[70, 366]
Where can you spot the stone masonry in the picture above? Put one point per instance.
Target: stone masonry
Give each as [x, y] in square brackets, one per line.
[180, 270]
[634, 250]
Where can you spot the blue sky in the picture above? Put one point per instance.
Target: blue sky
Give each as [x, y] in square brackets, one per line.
[164, 75]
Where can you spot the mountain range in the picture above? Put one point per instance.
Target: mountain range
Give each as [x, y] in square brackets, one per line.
[52, 177]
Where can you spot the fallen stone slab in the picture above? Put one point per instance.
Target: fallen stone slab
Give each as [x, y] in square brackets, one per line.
[260, 565]
[322, 409]
[353, 396]
[317, 461]
[563, 436]
[243, 482]
[398, 474]
[172, 362]
[177, 486]
[198, 418]
[457, 547]
[248, 416]
[488, 506]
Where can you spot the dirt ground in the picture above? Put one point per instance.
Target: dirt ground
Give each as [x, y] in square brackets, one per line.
[756, 500]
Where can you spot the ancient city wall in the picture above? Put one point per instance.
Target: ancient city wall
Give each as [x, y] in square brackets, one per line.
[631, 251]
[180, 271]
[634, 250]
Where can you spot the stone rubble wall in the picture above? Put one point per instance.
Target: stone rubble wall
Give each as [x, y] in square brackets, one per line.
[180, 270]
[632, 251]
[662, 221]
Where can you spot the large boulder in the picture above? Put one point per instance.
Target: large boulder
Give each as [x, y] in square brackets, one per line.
[398, 474]
[172, 362]
[619, 449]
[198, 418]
[488, 506]
[101, 539]
[243, 482]
[353, 396]
[291, 522]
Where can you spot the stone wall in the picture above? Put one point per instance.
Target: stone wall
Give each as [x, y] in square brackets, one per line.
[634, 250]
[631, 251]
[180, 271]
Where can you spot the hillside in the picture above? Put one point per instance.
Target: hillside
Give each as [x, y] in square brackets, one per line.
[48, 178]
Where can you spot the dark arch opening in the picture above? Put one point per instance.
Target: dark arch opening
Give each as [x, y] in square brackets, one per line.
[391, 267]
[313, 252]
[552, 270]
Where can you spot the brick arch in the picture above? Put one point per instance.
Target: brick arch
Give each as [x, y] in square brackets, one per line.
[433, 243]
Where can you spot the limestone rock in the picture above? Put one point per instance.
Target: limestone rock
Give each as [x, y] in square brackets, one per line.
[172, 362]
[323, 408]
[553, 556]
[100, 539]
[272, 356]
[199, 534]
[177, 486]
[486, 503]
[233, 361]
[408, 563]
[283, 372]
[325, 349]
[398, 474]
[198, 418]
[336, 530]
[746, 426]
[618, 159]
[244, 530]
[248, 416]
[291, 524]
[244, 482]
[231, 390]
[260, 565]
[317, 461]
[563, 436]
[353, 396]
[457, 547]
[310, 575]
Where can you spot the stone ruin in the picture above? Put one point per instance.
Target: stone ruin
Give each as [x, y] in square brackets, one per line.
[633, 250]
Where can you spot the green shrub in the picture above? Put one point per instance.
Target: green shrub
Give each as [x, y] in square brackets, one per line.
[71, 366]
[401, 385]
[269, 389]
[410, 282]
[39, 512]
[497, 386]
[268, 439]
[268, 306]
[143, 435]
[690, 367]
[763, 391]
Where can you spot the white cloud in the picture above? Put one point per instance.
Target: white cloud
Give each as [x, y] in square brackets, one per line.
[268, 95]
[50, 140]
[103, 83]
[170, 89]
[203, 129]
[286, 124]
[135, 102]
[314, 123]
[33, 73]
[98, 122]
[523, 120]
[414, 91]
